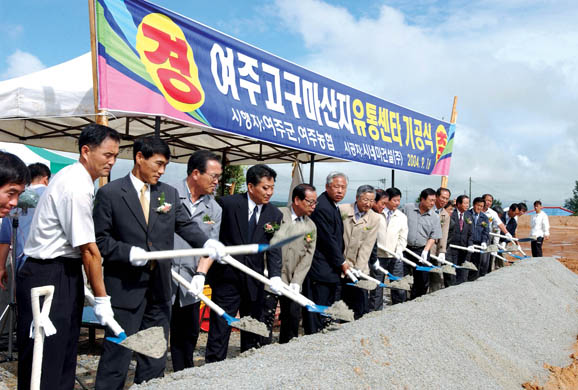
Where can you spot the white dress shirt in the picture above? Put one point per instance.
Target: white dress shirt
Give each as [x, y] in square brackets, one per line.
[137, 184]
[540, 225]
[63, 218]
[252, 207]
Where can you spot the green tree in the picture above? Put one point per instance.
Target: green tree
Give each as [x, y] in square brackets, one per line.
[572, 203]
[497, 202]
[233, 174]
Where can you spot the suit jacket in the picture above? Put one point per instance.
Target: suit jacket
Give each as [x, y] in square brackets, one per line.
[234, 227]
[119, 224]
[511, 227]
[441, 244]
[480, 233]
[457, 236]
[186, 266]
[358, 236]
[297, 255]
[392, 235]
[328, 256]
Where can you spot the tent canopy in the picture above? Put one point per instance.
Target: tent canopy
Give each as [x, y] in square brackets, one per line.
[33, 154]
[553, 210]
[50, 107]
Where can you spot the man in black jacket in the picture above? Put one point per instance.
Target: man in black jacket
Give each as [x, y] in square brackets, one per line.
[460, 233]
[247, 219]
[328, 262]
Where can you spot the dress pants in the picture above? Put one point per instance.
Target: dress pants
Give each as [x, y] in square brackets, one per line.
[537, 247]
[420, 278]
[270, 302]
[458, 257]
[290, 317]
[60, 349]
[115, 359]
[185, 327]
[484, 264]
[233, 298]
[394, 267]
[355, 298]
[322, 293]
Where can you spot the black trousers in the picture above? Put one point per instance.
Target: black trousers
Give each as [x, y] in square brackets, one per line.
[270, 302]
[60, 350]
[115, 359]
[394, 267]
[290, 317]
[537, 247]
[420, 278]
[232, 298]
[185, 327]
[354, 297]
[322, 293]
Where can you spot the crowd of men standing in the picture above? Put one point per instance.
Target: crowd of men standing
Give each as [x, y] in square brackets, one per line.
[138, 213]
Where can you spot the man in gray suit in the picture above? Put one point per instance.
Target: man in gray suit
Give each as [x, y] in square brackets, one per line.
[196, 193]
[297, 256]
[132, 213]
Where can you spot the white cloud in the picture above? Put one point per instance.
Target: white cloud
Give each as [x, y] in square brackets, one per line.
[509, 64]
[21, 63]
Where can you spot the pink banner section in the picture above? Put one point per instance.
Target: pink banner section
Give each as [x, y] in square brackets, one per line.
[442, 167]
[131, 96]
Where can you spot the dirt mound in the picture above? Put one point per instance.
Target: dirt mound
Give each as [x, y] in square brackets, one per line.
[561, 378]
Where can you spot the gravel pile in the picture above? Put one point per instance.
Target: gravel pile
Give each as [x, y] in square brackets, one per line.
[494, 333]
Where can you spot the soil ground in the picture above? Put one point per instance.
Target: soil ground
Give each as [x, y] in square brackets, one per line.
[563, 244]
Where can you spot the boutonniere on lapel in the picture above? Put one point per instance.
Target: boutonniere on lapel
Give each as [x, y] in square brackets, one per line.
[344, 216]
[207, 219]
[164, 207]
[468, 221]
[491, 219]
[271, 227]
[366, 228]
[484, 224]
[309, 238]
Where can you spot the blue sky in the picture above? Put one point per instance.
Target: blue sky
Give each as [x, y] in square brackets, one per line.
[512, 64]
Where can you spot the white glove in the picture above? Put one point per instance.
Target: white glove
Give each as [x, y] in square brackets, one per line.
[471, 249]
[484, 246]
[295, 287]
[493, 253]
[218, 248]
[276, 285]
[442, 257]
[103, 310]
[197, 285]
[424, 255]
[509, 236]
[355, 272]
[134, 251]
[376, 265]
[399, 254]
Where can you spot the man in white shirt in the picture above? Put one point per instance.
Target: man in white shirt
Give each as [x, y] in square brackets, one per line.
[391, 235]
[540, 228]
[61, 234]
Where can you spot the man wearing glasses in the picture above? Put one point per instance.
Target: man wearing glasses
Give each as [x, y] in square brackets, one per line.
[196, 193]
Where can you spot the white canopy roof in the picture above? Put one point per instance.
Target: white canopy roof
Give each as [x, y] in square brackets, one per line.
[50, 107]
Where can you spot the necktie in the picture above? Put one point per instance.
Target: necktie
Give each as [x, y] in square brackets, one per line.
[476, 219]
[252, 223]
[461, 222]
[144, 203]
[389, 213]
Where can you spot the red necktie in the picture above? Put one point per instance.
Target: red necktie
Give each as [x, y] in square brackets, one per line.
[461, 222]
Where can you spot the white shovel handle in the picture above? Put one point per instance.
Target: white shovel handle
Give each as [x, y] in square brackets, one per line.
[214, 307]
[502, 236]
[441, 261]
[351, 276]
[367, 277]
[408, 262]
[464, 248]
[419, 257]
[38, 351]
[230, 250]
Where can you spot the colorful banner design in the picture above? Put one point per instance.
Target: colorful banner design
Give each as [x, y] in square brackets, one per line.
[155, 62]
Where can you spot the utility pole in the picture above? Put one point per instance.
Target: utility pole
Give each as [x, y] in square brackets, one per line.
[382, 182]
[470, 188]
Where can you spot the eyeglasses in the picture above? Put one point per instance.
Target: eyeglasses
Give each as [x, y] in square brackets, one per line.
[214, 176]
[365, 200]
[310, 202]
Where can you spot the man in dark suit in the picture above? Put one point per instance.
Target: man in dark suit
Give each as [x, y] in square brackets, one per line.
[328, 262]
[246, 219]
[132, 213]
[480, 236]
[510, 220]
[460, 233]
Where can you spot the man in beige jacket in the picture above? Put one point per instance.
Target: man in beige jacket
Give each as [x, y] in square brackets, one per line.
[436, 280]
[391, 235]
[360, 224]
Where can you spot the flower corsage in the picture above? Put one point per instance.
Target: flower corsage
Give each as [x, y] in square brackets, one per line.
[207, 219]
[271, 227]
[164, 207]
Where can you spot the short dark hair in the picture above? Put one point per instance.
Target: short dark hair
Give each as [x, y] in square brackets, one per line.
[522, 206]
[486, 195]
[439, 191]
[460, 199]
[514, 206]
[199, 159]
[38, 171]
[478, 199]
[149, 146]
[538, 202]
[12, 170]
[499, 210]
[379, 193]
[300, 190]
[393, 192]
[93, 135]
[259, 171]
[427, 192]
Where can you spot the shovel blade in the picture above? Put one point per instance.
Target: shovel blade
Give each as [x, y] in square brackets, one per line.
[230, 319]
[392, 277]
[425, 269]
[118, 339]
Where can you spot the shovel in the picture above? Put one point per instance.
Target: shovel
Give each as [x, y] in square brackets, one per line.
[247, 324]
[150, 342]
[430, 267]
[408, 262]
[39, 331]
[386, 272]
[375, 281]
[516, 240]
